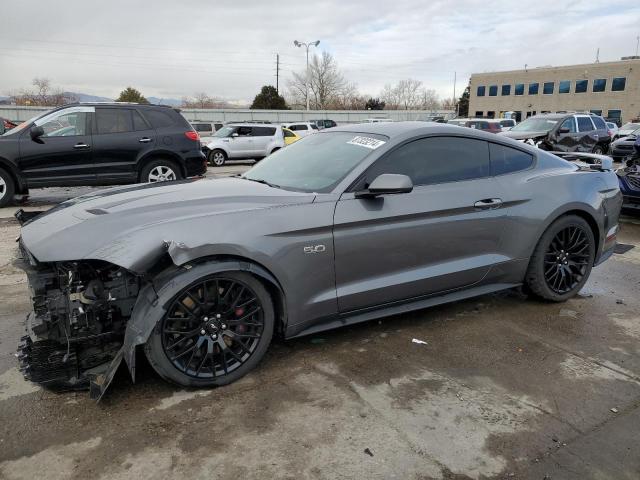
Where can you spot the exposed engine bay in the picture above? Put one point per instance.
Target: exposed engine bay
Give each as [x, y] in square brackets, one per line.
[80, 312]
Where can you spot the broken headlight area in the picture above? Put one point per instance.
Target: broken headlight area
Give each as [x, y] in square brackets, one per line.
[80, 312]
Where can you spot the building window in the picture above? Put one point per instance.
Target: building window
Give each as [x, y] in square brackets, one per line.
[618, 84]
[519, 90]
[581, 86]
[596, 112]
[599, 84]
[493, 90]
[547, 88]
[564, 86]
[506, 90]
[533, 88]
[480, 92]
[614, 115]
[491, 114]
[479, 114]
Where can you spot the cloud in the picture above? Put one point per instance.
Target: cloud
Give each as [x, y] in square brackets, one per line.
[227, 48]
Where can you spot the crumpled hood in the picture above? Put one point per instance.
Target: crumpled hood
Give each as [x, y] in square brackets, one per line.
[523, 135]
[123, 224]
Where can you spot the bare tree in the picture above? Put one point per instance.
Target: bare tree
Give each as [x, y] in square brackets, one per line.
[328, 88]
[202, 100]
[429, 99]
[42, 94]
[409, 94]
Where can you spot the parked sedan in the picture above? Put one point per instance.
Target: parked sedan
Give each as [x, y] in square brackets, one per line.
[350, 224]
[627, 129]
[486, 125]
[623, 147]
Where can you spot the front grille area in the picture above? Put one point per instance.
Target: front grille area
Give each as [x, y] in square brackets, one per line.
[633, 181]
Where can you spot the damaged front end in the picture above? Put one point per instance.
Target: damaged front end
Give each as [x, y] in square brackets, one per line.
[629, 179]
[76, 330]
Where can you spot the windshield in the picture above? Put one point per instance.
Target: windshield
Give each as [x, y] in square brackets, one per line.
[317, 163]
[23, 125]
[224, 132]
[535, 125]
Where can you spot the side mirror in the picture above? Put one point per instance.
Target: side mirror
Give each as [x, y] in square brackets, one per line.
[234, 135]
[563, 130]
[36, 132]
[387, 184]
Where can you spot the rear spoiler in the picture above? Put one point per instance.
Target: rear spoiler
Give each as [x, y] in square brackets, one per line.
[592, 160]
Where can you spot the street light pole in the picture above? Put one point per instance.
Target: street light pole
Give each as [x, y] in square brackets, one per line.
[307, 45]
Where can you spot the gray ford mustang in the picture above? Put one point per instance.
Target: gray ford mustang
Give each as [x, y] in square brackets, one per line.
[346, 225]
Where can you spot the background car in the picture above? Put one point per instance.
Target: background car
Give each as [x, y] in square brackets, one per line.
[290, 136]
[99, 144]
[301, 129]
[347, 225]
[613, 130]
[507, 123]
[486, 125]
[627, 129]
[562, 132]
[629, 177]
[321, 124]
[242, 141]
[623, 148]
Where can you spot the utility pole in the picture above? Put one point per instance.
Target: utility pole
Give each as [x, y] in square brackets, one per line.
[278, 73]
[637, 44]
[455, 103]
[598, 55]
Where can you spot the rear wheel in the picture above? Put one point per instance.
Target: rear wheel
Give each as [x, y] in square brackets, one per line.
[160, 171]
[562, 260]
[598, 150]
[217, 157]
[215, 331]
[7, 188]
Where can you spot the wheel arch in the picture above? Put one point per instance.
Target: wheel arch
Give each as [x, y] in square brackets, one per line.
[8, 167]
[153, 155]
[156, 295]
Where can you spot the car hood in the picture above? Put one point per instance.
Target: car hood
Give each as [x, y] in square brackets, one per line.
[129, 226]
[625, 140]
[523, 135]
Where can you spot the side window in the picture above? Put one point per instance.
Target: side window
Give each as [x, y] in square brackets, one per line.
[584, 124]
[67, 125]
[113, 120]
[314, 126]
[138, 121]
[244, 131]
[508, 160]
[264, 131]
[599, 123]
[303, 127]
[436, 160]
[288, 133]
[569, 124]
[158, 118]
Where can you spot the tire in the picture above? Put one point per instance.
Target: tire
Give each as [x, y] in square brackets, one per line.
[219, 358]
[274, 150]
[160, 170]
[598, 150]
[217, 158]
[7, 188]
[562, 260]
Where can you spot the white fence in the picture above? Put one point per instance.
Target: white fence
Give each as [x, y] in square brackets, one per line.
[276, 116]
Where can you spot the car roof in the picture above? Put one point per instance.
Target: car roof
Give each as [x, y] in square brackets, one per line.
[244, 124]
[398, 129]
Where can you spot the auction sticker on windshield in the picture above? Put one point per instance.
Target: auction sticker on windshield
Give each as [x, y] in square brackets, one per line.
[367, 142]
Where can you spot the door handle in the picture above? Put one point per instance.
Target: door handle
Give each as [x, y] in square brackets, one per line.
[79, 146]
[144, 140]
[488, 203]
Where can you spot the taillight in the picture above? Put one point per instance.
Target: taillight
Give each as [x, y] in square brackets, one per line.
[192, 135]
[610, 133]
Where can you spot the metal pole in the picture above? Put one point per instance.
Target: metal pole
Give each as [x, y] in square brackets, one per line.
[637, 44]
[455, 74]
[278, 73]
[307, 82]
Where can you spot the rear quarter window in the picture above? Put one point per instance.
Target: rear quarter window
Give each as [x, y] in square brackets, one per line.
[599, 123]
[159, 118]
[584, 124]
[264, 131]
[508, 160]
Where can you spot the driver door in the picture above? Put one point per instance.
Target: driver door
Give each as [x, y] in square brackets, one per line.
[63, 155]
[241, 143]
[567, 137]
[443, 235]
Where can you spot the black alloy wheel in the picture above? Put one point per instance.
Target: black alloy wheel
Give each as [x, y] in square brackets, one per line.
[567, 259]
[212, 328]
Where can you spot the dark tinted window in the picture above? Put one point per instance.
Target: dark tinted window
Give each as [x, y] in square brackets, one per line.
[493, 90]
[533, 88]
[508, 160]
[436, 160]
[618, 84]
[599, 84]
[569, 124]
[506, 90]
[314, 126]
[245, 131]
[519, 89]
[264, 131]
[584, 124]
[564, 86]
[599, 123]
[614, 114]
[581, 86]
[113, 120]
[138, 121]
[158, 118]
[597, 112]
[288, 133]
[202, 127]
[480, 92]
[547, 88]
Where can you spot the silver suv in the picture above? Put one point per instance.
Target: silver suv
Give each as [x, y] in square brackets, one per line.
[243, 141]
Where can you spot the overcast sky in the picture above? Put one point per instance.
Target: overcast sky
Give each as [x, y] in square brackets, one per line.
[228, 48]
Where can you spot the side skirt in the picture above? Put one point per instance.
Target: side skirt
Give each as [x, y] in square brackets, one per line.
[387, 310]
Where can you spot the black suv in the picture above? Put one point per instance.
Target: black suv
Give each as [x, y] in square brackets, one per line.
[564, 132]
[98, 144]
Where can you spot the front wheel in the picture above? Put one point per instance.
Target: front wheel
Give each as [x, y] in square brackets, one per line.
[7, 188]
[598, 150]
[215, 331]
[217, 158]
[562, 260]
